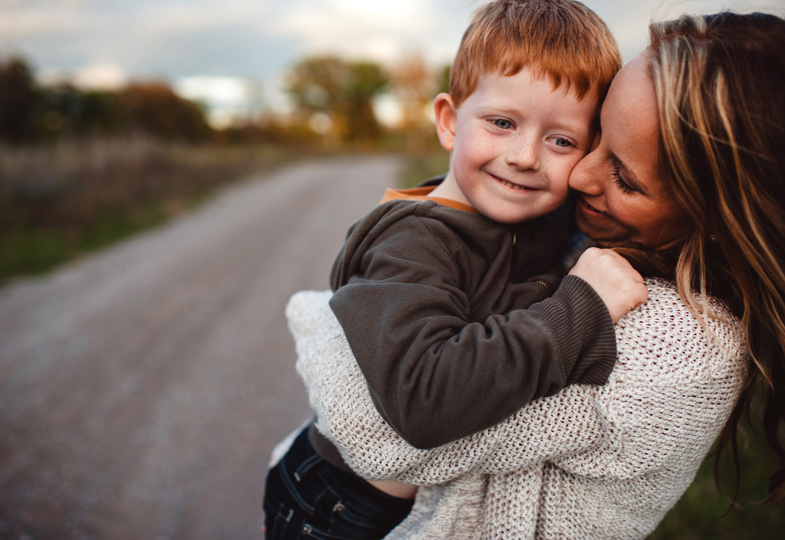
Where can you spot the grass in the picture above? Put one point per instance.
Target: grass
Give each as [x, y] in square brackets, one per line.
[59, 202]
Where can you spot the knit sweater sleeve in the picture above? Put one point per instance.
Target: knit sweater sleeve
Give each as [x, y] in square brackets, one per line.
[673, 388]
[676, 382]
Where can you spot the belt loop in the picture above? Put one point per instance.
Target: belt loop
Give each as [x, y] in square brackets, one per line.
[306, 466]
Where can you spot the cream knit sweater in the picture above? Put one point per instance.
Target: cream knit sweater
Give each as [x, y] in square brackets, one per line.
[588, 463]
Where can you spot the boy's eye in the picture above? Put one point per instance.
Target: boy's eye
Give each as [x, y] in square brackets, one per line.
[562, 142]
[502, 123]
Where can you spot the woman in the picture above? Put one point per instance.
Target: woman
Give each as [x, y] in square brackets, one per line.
[691, 134]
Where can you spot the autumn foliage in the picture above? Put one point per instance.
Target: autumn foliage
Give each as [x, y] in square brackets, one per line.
[30, 113]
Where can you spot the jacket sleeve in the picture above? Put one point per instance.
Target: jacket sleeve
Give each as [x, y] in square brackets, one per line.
[666, 399]
[435, 374]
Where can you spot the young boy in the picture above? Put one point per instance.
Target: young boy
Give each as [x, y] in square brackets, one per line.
[430, 287]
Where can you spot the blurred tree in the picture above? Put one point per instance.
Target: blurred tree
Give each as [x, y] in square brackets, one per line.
[67, 111]
[29, 114]
[414, 86]
[366, 80]
[444, 80]
[19, 101]
[154, 108]
[342, 90]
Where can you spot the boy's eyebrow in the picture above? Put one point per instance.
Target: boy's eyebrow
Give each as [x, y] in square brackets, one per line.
[573, 127]
[499, 109]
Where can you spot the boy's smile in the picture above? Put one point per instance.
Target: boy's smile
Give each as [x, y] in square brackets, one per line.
[510, 184]
[514, 142]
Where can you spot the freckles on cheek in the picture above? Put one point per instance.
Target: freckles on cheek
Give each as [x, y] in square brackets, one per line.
[481, 149]
[486, 144]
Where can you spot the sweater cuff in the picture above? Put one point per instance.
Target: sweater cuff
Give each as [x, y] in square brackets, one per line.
[326, 449]
[583, 329]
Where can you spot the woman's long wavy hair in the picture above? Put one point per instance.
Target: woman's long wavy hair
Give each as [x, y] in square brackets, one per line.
[720, 86]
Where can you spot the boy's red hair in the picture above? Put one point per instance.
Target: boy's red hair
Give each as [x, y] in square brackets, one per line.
[561, 39]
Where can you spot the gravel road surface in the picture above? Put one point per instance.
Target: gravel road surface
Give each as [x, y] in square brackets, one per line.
[142, 389]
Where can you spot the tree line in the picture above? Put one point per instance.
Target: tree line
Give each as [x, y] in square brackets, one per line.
[331, 97]
[31, 113]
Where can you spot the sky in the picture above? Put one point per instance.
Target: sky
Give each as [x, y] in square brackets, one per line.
[233, 54]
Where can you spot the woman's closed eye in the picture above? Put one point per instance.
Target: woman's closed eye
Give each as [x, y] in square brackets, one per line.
[620, 182]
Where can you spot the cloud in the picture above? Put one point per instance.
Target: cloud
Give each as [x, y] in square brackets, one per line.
[226, 97]
[103, 76]
[135, 35]
[382, 31]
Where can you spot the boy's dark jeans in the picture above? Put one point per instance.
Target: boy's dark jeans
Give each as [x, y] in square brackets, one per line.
[307, 497]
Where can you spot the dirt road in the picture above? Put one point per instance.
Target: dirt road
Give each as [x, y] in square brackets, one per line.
[142, 389]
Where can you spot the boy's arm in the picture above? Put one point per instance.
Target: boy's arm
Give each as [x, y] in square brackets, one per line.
[434, 375]
[562, 424]
[461, 378]
[533, 290]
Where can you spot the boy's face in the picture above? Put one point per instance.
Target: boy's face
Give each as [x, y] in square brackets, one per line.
[514, 142]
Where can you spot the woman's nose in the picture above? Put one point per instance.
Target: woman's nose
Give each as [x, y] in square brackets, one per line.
[584, 176]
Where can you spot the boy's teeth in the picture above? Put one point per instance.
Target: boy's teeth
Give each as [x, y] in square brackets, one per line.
[511, 185]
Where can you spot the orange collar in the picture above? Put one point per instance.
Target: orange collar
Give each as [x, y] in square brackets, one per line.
[423, 194]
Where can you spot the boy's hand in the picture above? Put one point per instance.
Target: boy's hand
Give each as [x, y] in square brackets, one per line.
[613, 278]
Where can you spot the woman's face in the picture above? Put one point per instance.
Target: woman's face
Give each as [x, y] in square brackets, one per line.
[622, 195]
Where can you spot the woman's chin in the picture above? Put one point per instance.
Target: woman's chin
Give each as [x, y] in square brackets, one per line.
[598, 227]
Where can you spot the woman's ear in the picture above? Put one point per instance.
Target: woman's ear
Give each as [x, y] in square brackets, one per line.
[445, 113]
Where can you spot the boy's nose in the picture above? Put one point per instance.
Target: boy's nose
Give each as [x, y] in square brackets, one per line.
[523, 155]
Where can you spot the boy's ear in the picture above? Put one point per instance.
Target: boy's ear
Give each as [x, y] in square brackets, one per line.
[445, 113]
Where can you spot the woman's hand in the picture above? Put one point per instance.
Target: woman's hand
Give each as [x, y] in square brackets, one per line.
[613, 278]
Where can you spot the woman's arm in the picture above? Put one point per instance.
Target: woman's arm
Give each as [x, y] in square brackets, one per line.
[671, 388]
